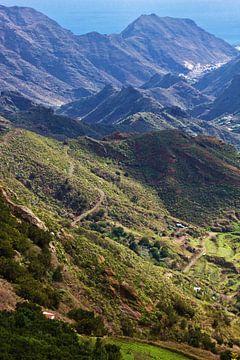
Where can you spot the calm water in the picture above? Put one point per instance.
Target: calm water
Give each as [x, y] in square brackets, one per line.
[221, 17]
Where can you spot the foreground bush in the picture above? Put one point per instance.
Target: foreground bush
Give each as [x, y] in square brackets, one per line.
[27, 335]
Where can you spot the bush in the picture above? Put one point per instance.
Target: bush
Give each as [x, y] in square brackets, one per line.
[57, 274]
[27, 334]
[118, 232]
[87, 323]
[228, 355]
[183, 308]
[157, 245]
[144, 242]
[154, 252]
[97, 216]
[127, 327]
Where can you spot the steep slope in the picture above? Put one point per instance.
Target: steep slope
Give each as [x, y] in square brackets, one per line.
[23, 113]
[181, 40]
[106, 263]
[111, 105]
[51, 65]
[175, 164]
[175, 119]
[36, 50]
[162, 81]
[112, 54]
[217, 80]
[228, 102]
[181, 94]
[231, 122]
[174, 90]
[11, 102]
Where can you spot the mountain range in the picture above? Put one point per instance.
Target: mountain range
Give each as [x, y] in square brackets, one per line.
[49, 64]
[119, 190]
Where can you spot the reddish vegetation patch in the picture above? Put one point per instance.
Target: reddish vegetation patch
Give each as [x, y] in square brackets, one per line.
[136, 315]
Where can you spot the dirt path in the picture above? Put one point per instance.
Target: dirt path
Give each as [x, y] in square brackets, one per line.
[71, 163]
[6, 138]
[96, 207]
[199, 254]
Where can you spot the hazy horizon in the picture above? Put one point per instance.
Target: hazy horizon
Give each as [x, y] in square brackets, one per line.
[219, 17]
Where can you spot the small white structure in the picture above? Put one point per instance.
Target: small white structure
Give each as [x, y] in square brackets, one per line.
[197, 289]
[181, 226]
[49, 315]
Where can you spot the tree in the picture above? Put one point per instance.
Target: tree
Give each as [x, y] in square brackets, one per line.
[100, 352]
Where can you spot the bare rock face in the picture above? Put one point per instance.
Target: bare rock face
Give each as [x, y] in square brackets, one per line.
[49, 64]
[8, 297]
[227, 103]
[214, 82]
[23, 211]
[36, 49]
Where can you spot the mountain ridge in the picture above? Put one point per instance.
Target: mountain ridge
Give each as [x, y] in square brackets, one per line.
[56, 63]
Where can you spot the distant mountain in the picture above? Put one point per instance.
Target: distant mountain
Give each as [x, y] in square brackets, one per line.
[133, 110]
[174, 91]
[217, 80]
[41, 59]
[154, 43]
[23, 113]
[111, 105]
[231, 122]
[181, 40]
[51, 65]
[162, 81]
[11, 102]
[148, 122]
[228, 102]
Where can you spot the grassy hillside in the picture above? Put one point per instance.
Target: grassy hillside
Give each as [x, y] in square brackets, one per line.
[175, 165]
[122, 261]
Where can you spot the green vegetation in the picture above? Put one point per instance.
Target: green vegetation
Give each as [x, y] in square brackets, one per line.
[27, 335]
[122, 265]
[25, 259]
[136, 350]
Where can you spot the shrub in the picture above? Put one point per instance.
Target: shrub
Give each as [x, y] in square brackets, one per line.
[183, 308]
[157, 244]
[228, 355]
[154, 252]
[144, 242]
[87, 322]
[97, 216]
[127, 327]
[133, 246]
[57, 274]
[27, 334]
[118, 232]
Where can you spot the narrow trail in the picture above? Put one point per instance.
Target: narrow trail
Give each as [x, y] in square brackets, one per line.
[71, 163]
[96, 207]
[6, 138]
[198, 255]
